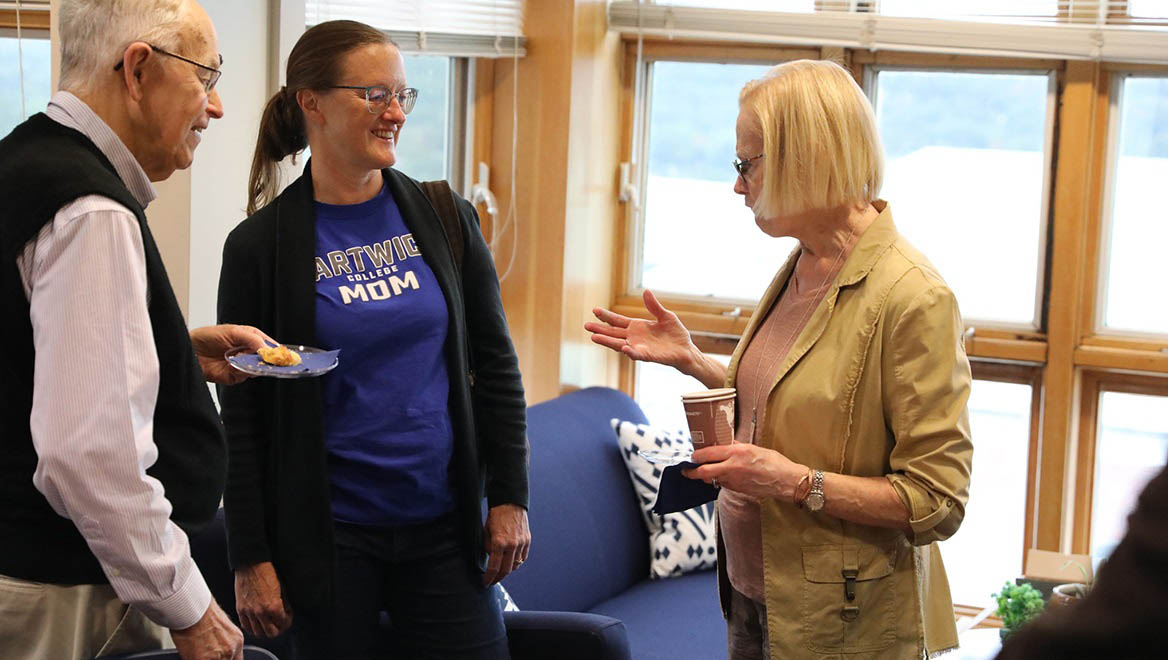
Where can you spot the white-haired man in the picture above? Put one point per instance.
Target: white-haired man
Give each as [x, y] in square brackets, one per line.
[110, 444]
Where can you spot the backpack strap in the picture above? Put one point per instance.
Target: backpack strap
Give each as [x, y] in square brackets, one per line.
[442, 199]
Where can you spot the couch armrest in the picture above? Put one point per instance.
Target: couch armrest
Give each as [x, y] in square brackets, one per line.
[565, 636]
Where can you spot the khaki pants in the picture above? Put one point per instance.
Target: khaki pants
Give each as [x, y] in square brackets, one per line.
[53, 622]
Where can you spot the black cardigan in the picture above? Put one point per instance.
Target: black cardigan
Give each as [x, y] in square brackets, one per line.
[277, 500]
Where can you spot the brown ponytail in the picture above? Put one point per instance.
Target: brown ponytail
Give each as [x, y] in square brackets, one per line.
[313, 64]
[281, 134]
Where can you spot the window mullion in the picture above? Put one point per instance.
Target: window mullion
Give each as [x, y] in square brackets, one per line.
[1067, 282]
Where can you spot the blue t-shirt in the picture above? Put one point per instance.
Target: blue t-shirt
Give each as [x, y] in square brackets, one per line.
[387, 426]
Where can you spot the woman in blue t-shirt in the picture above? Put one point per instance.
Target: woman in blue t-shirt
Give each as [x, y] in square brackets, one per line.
[361, 491]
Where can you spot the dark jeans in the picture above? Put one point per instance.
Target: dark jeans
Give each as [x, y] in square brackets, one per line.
[423, 577]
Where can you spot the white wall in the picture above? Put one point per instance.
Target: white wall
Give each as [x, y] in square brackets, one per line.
[223, 160]
[255, 37]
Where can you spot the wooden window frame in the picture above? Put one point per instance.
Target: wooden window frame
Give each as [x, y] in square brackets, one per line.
[1119, 11]
[30, 19]
[1097, 347]
[992, 339]
[720, 317]
[715, 326]
[1031, 375]
[482, 108]
[1093, 385]
[712, 320]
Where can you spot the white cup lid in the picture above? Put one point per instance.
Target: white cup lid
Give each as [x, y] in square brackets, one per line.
[716, 393]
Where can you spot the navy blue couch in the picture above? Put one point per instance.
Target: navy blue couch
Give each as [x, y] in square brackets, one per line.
[584, 592]
[590, 547]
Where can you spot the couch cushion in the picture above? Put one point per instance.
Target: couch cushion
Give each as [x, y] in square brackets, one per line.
[679, 542]
[587, 536]
[672, 619]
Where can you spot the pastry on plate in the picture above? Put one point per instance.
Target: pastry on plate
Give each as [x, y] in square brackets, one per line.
[280, 356]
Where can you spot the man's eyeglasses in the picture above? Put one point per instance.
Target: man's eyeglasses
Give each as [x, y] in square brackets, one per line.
[207, 75]
[743, 166]
[378, 98]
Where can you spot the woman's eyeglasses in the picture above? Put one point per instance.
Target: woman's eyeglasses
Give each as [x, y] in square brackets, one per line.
[378, 98]
[743, 166]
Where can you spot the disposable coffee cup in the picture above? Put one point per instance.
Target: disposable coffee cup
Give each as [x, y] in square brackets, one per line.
[710, 414]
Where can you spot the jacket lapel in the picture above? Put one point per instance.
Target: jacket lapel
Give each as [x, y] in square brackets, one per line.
[869, 248]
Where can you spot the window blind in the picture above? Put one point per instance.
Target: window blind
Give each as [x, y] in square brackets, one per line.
[1114, 30]
[26, 5]
[30, 11]
[461, 28]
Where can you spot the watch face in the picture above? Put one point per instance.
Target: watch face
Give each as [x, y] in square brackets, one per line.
[814, 502]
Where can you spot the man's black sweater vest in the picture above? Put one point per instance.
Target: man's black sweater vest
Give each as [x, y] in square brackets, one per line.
[44, 166]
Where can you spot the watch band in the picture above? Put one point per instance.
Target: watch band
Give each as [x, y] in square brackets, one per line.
[815, 499]
[800, 494]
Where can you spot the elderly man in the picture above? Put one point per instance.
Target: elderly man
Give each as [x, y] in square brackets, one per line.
[110, 445]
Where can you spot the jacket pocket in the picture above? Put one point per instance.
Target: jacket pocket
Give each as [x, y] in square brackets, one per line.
[848, 598]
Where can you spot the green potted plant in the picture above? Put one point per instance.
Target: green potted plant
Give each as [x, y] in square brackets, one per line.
[1065, 594]
[1017, 604]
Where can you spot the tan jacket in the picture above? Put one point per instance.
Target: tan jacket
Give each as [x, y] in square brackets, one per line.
[876, 384]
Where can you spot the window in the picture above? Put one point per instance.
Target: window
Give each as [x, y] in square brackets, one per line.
[967, 156]
[699, 237]
[440, 41]
[1131, 448]
[769, 5]
[1135, 213]
[433, 143]
[998, 28]
[425, 149]
[36, 54]
[659, 390]
[987, 549]
[964, 8]
[1147, 9]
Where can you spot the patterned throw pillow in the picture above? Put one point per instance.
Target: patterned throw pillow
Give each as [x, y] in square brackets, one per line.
[678, 542]
[506, 604]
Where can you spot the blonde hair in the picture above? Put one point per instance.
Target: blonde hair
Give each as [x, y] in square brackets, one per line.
[820, 143]
[95, 33]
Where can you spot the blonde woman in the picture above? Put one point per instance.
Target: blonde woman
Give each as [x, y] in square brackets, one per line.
[852, 454]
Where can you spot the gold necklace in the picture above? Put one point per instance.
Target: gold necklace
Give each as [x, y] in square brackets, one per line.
[758, 371]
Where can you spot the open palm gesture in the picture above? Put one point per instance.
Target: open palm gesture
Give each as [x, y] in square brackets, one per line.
[663, 340]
